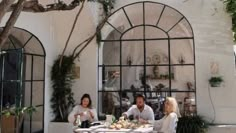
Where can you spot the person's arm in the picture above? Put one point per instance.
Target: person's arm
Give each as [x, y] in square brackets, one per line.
[73, 114]
[129, 112]
[93, 115]
[157, 124]
[172, 123]
[151, 117]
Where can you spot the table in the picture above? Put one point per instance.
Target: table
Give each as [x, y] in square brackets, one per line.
[103, 129]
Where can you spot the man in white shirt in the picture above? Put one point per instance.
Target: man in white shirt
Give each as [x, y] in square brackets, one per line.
[140, 111]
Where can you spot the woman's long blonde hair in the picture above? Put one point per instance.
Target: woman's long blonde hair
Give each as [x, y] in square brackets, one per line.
[174, 105]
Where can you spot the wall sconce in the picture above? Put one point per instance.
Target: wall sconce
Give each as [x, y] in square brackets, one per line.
[214, 68]
[181, 59]
[129, 60]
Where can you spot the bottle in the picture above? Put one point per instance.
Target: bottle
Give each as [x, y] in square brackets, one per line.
[78, 122]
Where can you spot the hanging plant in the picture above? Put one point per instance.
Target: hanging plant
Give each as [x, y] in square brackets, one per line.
[215, 81]
[62, 97]
[231, 9]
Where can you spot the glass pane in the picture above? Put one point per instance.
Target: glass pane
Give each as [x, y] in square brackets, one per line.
[135, 13]
[182, 51]
[187, 102]
[109, 33]
[26, 125]
[184, 78]
[152, 13]
[154, 33]
[12, 66]
[27, 67]
[135, 33]
[8, 45]
[34, 47]
[110, 78]
[119, 15]
[37, 120]
[127, 100]
[16, 43]
[27, 93]
[131, 78]
[132, 53]
[9, 95]
[183, 29]
[20, 37]
[157, 52]
[169, 18]
[111, 53]
[37, 98]
[157, 103]
[157, 78]
[109, 103]
[27, 99]
[38, 65]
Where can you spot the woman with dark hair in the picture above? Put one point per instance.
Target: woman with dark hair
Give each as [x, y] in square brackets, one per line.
[84, 109]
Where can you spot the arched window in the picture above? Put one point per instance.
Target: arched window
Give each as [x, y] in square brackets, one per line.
[148, 48]
[22, 69]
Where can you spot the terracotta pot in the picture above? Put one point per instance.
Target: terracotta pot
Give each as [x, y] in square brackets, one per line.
[11, 124]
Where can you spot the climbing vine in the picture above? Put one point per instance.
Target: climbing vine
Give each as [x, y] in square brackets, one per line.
[231, 9]
[107, 5]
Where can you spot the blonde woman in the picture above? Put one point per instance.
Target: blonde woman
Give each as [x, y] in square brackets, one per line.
[168, 123]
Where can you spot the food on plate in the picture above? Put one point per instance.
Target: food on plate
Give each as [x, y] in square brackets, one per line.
[118, 126]
[112, 126]
[127, 124]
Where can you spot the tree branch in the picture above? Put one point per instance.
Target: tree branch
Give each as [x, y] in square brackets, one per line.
[35, 6]
[89, 40]
[72, 29]
[80, 45]
[11, 21]
[4, 6]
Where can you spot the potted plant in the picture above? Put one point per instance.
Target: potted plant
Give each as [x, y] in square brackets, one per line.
[215, 81]
[192, 124]
[12, 118]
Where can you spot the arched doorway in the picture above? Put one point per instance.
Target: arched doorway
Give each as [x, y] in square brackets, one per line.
[147, 47]
[22, 69]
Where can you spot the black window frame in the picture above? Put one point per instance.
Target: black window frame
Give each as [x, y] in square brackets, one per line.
[21, 70]
[170, 65]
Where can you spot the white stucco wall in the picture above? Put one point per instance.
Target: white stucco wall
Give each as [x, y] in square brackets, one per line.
[213, 42]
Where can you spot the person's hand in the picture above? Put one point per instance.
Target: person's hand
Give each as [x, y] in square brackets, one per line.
[142, 121]
[81, 114]
[75, 115]
[91, 114]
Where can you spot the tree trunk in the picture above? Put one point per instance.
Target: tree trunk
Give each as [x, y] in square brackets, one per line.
[4, 6]
[11, 22]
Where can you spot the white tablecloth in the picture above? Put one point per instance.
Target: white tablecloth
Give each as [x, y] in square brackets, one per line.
[102, 129]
